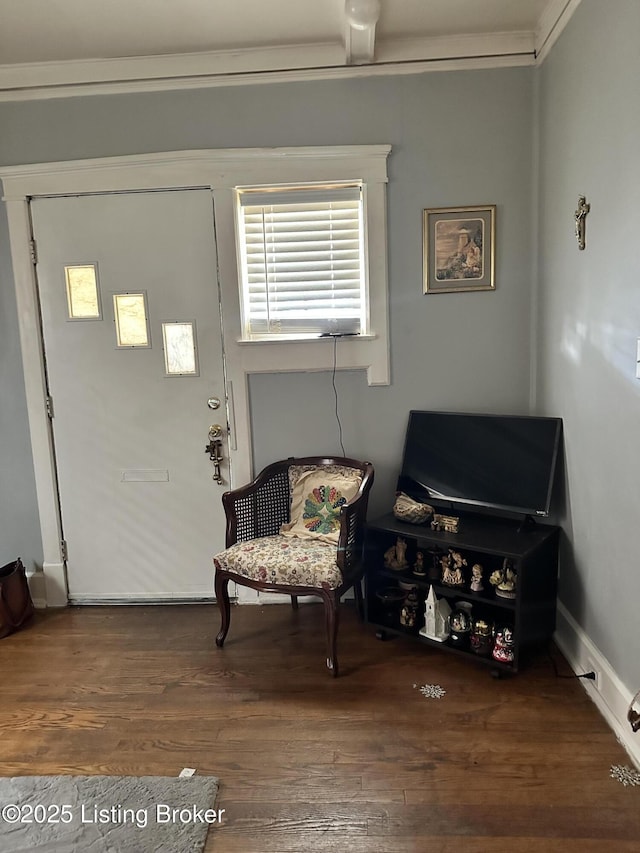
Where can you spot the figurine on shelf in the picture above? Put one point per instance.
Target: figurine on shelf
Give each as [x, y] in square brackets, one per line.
[460, 624]
[481, 638]
[448, 523]
[395, 557]
[409, 611]
[504, 580]
[476, 578]
[436, 618]
[503, 648]
[418, 567]
[452, 564]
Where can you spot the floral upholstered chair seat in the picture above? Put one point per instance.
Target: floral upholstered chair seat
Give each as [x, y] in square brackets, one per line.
[284, 560]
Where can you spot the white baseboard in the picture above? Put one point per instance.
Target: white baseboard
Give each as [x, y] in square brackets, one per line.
[38, 589]
[55, 578]
[142, 598]
[611, 697]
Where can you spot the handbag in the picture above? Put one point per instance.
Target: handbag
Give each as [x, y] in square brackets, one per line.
[16, 605]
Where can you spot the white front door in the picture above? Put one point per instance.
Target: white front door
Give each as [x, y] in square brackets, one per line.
[141, 512]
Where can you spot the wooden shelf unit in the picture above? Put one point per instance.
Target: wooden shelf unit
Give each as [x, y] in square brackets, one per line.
[532, 551]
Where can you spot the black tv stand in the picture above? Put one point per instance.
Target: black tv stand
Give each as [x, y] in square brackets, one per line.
[481, 539]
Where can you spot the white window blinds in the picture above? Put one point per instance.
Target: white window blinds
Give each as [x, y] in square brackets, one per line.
[302, 260]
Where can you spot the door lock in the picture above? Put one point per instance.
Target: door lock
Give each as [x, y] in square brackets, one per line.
[214, 449]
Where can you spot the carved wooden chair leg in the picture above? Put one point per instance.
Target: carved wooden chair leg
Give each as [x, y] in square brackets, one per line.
[331, 605]
[294, 602]
[222, 597]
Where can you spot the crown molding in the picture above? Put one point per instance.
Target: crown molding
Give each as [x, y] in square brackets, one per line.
[249, 79]
[280, 64]
[457, 48]
[552, 22]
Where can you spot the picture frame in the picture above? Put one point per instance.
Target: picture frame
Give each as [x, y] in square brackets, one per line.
[459, 248]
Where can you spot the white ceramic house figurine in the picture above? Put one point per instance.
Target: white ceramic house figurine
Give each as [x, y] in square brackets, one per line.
[436, 616]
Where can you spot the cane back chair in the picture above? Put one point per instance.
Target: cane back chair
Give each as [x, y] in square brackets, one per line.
[297, 529]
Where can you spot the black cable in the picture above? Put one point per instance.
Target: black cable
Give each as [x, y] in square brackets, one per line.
[335, 390]
[589, 675]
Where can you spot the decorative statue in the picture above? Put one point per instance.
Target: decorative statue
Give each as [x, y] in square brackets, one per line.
[481, 637]
[418, 566]
[581, 218]
[409, 610]
[460, 624]
[395, 557]
[436, 617]
[476, 578]
[503, 648]
[452, 564]
[504, 580]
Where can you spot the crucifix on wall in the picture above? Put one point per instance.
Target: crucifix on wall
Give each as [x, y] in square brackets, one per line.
[581, 217]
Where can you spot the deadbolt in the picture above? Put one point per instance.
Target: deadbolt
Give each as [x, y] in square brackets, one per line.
[213, 402]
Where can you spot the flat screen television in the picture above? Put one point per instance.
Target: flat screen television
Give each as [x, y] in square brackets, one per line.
[481, 462]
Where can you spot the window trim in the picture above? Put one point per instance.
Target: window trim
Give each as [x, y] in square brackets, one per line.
[282, 195]
[370, 352]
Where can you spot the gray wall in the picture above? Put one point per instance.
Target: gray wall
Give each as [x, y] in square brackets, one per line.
[461, 138]
[589, 126]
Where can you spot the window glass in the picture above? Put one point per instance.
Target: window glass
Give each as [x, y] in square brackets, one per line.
[83, 301]
[132, 327]
[180, 355]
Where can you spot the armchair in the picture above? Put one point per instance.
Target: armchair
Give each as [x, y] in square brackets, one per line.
[297, 529]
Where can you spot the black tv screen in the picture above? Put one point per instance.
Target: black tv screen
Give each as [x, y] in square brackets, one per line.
[501, 462]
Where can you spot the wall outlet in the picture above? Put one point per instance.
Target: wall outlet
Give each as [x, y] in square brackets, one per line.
[591, 667]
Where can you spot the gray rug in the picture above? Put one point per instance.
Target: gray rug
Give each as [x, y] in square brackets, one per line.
[107, 814]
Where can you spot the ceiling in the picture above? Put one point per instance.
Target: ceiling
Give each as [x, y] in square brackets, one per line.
[62, 47]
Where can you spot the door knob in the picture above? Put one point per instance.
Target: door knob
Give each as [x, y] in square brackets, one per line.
[214, 449]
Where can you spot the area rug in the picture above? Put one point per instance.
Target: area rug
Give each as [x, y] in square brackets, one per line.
[107, 814]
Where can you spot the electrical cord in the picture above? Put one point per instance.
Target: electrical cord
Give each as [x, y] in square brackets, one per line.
[590, 676]
[335, 390]
[633, 716]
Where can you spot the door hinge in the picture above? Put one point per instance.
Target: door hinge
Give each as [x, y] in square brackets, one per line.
[49, 405]
[34, 252]
[64, 552]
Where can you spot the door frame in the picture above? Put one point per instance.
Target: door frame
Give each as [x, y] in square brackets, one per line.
[183, 170]
[218, 170]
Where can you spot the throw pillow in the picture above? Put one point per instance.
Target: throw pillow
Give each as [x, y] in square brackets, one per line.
[316, 500]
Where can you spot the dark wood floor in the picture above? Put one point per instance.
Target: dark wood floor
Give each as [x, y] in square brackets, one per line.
[359, 764]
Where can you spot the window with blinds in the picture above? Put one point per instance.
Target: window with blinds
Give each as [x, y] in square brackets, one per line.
[302, 260]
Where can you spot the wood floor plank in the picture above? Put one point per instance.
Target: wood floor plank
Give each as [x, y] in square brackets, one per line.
[359, 764]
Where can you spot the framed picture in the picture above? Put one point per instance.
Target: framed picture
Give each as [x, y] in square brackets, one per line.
[459, 249]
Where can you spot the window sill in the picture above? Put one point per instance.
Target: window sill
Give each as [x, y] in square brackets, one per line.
[303, 339]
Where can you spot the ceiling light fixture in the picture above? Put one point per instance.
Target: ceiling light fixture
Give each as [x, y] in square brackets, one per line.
[362, 14]
[361, 19]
